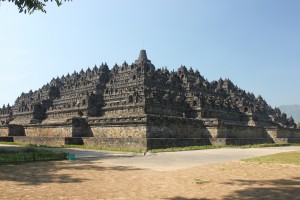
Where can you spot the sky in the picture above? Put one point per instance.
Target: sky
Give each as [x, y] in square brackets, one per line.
[254, 43]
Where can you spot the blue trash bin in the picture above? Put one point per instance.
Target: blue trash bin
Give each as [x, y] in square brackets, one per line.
[71, 156]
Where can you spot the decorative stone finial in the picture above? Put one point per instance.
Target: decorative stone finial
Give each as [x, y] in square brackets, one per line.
[142, 57]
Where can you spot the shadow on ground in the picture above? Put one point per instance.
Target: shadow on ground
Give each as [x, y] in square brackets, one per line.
[183, 198]
[51, 172]
[259, 189]
[266, 189]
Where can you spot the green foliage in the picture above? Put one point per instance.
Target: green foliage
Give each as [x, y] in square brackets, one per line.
[29, 6]
[280, 158]
[29, 155]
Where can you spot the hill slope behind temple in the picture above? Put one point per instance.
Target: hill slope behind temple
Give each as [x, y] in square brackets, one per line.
[292, 110]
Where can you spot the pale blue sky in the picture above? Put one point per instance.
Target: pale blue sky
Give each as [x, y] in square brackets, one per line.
[255, 43]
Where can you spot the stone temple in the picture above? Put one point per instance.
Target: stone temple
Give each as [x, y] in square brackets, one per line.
[135, 106]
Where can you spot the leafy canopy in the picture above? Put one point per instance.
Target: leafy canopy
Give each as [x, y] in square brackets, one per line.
[29, 6]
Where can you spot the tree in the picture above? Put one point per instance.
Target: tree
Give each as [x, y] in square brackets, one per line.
[29, 6]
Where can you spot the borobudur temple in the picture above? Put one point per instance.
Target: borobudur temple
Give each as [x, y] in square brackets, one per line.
[135, 106]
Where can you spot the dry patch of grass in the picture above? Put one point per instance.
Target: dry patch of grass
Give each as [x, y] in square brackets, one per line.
[280, 158]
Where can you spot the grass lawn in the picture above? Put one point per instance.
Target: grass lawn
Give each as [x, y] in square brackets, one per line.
[280, 158]
[29, 155]
[188, 148]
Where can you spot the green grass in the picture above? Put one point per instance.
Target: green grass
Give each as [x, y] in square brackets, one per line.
[76, 146]
[189, 148]
[219, 146]
[29, 155]
[22, 144]
[103, 148]
[280, 158]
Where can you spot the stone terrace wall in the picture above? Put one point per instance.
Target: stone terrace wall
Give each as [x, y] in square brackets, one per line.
[239, 135]
[48, 131]
[288, 133]
[175, 127]
[122, 143]
[117, 131]
[129, 136]
[165, 132]
[48, 141]
[145, 132]
[242, 132]
[161, 143]
[11, 130]
[3, 131]
[284, 135]
[118, 127]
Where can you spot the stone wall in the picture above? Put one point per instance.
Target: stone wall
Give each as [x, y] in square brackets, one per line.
[242, 132]
[168, 131]
[6, 139]
[161, 143]
[284, 135]
[247, 141]
[288, 133]
[3, 131]
[11, 130]
[80, 127]
[146, 132]
[117, 131]
[15, 130]
[175, 127]
[48, 141]
[283, 132]
[117, 143]
[48, 131]
[117, 127]
[239, 141]
[272, 132]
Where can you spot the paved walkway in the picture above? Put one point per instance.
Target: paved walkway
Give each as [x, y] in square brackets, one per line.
[186, 159]
[170, 160]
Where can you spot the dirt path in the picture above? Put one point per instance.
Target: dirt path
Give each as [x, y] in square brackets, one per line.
[90, 180]
[175, 175]
[170, 160]
[187, 159]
